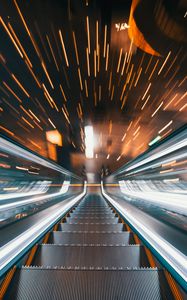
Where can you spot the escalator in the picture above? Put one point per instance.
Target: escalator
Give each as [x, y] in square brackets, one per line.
[90, 254]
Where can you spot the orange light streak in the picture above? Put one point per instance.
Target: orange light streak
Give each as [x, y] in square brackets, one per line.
[112, 94]
[107, 56]
[124, 62]
[19, 43]
[33, 75]
[27, 29]
[170, 101]
[166, 59]
[146, 91]
[138, 76]
[95, 64]
[7, 130]
[88, 33]
[180, 99]
[183, 107]
[34, 144]
[154, 68]
[47, 74]
[123, 137]
[38, 125]
[136, 130]
[86, 87]
[63, 48]
[157, 109]
[11, 37]
[63, 94]
[105, 37]
[27, 122]
[65, 115]
[25, 111]
[20, 85]
[80, 79]
[88, 62]
[34, 115]
[119, 60]
[75, 46]
[166, 171]
[52, 123]
[12, 92]
[129, 126]
[97, 39]
[53, 55]
[98, 59]
[165, 134]
[145, 102]
[166, 126]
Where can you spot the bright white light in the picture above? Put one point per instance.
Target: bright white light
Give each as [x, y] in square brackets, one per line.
[9, 147]
[40, 187]
[154, 156]
[15, 204]
[176, 259]
[171, 201]
[14, 248]
[89, 141]
[65, 187]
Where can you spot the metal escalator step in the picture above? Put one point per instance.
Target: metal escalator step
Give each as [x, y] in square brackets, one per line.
[92, 214]
[89, 205]
[62, 238]
[76, 220]
[87, 214]
[90, 256]
[47, 284]
[93, 205]
[91, 227]
[92, 210]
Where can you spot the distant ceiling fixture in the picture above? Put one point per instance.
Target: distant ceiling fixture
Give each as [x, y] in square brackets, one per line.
[54, 137]
[121, 26]
[89, 141]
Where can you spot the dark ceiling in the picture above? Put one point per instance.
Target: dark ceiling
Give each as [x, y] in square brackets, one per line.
[54, 76]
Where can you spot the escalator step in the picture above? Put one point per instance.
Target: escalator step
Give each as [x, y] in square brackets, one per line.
[75, 220]
[91, 227]
[92, 210]
[62, 238]
[47, 284]
[90, 256]
[92, 214]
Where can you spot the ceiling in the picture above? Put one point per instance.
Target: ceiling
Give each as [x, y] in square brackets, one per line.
[65, 64]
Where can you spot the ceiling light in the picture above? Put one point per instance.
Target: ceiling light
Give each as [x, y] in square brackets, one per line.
[89, 141]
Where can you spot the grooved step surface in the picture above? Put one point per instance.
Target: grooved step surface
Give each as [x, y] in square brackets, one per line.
[79, 220]
[90, 256]
[91, 227]
[90, 208]
[58, 237]
[46, 284]
[92, 214]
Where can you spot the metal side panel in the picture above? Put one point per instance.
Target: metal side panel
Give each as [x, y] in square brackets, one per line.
[59, 237]
[91, 227]
[90, 256]
[47, 284]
